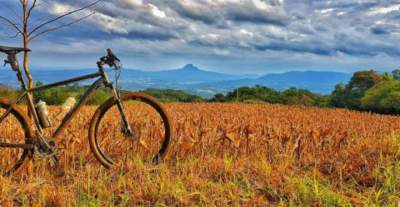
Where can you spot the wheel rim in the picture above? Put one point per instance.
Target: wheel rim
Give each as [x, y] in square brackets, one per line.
[151, 133]
[11, 131]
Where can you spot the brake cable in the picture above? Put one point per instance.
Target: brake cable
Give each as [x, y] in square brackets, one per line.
[117, 75]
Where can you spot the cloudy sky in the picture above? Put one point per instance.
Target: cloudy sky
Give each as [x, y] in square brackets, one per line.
[233, 36]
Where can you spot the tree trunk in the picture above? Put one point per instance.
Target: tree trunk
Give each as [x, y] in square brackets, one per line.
[26, 65]
[26, 43]
[25, 36]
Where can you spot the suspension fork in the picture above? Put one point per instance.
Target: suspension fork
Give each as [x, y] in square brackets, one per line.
[127, 128]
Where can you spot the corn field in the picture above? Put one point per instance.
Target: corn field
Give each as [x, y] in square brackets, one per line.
[225, 155]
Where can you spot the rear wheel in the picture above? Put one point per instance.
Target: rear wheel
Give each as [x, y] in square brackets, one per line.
[14, 135]
[151, 128]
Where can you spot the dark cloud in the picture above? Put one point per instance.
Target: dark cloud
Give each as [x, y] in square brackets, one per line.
[219, 12]
[313, 48]
[379, 30]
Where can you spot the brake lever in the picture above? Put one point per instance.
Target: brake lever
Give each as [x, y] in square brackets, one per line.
[6, 62]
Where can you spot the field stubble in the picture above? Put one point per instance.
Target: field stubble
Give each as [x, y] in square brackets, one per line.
[229, 154]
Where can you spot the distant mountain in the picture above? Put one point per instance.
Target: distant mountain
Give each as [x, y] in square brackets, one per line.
[197, 81]
[187, 75]
[315, 81]
[190, 74]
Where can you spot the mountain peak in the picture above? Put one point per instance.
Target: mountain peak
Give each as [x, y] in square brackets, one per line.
[190, 67]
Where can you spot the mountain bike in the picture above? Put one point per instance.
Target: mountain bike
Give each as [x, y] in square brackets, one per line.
[128, 123]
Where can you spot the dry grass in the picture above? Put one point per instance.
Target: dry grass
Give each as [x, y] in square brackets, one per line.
[230, 154]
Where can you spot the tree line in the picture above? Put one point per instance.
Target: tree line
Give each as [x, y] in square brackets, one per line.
[370, 91]
[367, 90]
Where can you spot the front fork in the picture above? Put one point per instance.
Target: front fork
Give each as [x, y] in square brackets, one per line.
[127, 130]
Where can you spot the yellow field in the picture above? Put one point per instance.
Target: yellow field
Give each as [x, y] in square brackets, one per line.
[229, 154]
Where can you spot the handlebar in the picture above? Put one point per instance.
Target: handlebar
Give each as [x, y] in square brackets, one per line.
[110, 59]
[111, 55]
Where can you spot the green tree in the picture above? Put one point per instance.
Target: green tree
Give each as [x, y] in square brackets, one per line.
[99, 97]
[219, 97]
[358, 85]
[338, 96]
[170, 95]
[396, 73]
[383, 98]
[387, 76]
[294, 96]
[255, 94]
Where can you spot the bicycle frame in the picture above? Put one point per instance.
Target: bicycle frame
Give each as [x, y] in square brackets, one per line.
[28, 96]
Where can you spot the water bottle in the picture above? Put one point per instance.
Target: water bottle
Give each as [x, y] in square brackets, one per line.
[43, 113]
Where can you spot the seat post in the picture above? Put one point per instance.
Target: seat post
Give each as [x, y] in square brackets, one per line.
[13, 61]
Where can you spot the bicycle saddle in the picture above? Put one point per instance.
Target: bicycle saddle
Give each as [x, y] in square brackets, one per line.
[15, 50]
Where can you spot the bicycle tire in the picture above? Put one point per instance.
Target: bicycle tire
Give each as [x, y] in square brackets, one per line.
[23, 121]
[98, 150]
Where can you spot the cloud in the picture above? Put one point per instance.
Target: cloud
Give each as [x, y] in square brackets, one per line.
[250, 29]
[384, 10]
[224, 12]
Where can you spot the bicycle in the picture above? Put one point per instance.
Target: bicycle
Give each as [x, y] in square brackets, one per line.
[108, 136]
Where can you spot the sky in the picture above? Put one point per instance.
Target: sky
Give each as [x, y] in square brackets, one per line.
[230, 36]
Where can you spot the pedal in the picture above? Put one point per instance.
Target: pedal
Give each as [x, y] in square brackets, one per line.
[47, 152]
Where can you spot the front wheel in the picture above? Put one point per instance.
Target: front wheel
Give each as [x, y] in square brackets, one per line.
[150, 133]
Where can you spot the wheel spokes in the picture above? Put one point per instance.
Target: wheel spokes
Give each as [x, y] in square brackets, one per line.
[148, 131]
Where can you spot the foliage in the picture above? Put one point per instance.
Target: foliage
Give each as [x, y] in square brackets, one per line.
[170, 95]
[338, 96]
[262, 94]
[294, 96]
[258, 93]
[368, 90]
[8, 92]
[219, 97]
[356, 88]
[99, 97]
[396, 73]
[58, 95]
[383, 98]
[388, 76]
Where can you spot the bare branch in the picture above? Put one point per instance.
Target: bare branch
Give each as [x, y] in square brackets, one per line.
[5, 33]
[15, 35]
[60, 26]
[11, 23]
[62, 16]
[30, 9]
[10, 8]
